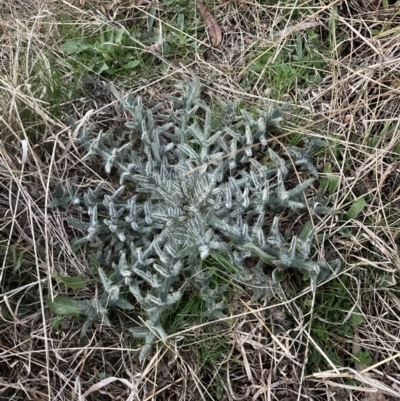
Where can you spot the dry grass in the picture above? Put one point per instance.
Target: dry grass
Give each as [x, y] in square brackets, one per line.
[263, 352]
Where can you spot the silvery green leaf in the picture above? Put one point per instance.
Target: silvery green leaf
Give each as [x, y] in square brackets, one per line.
[146, 348]
[78, 223]
[151, 299]
[280, 163]
[140, 332]
[266, 258]
[158, 330]
[85, 327]
[173, 298]
[134, 289]
[300, 188]
[204, 251]
[275, 237]
[107, 283]
[122, 269]
[148, 277]
[106, 321]
[124, 304]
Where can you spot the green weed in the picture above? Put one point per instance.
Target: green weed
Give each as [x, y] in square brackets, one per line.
[298, 64]
[139, 48]
[334, 324]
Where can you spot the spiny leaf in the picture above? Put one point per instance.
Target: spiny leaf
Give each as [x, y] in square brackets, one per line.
[265, 257]
[140, 332]
[124, 304]
[185, 201]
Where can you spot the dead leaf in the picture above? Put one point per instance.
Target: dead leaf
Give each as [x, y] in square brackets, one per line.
[214, 29]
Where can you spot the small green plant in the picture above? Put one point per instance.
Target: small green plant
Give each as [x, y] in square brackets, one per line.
[297, 64]
[111, 52]
[332, 327]
[363, 357]
[194, 193]
[116, 51]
